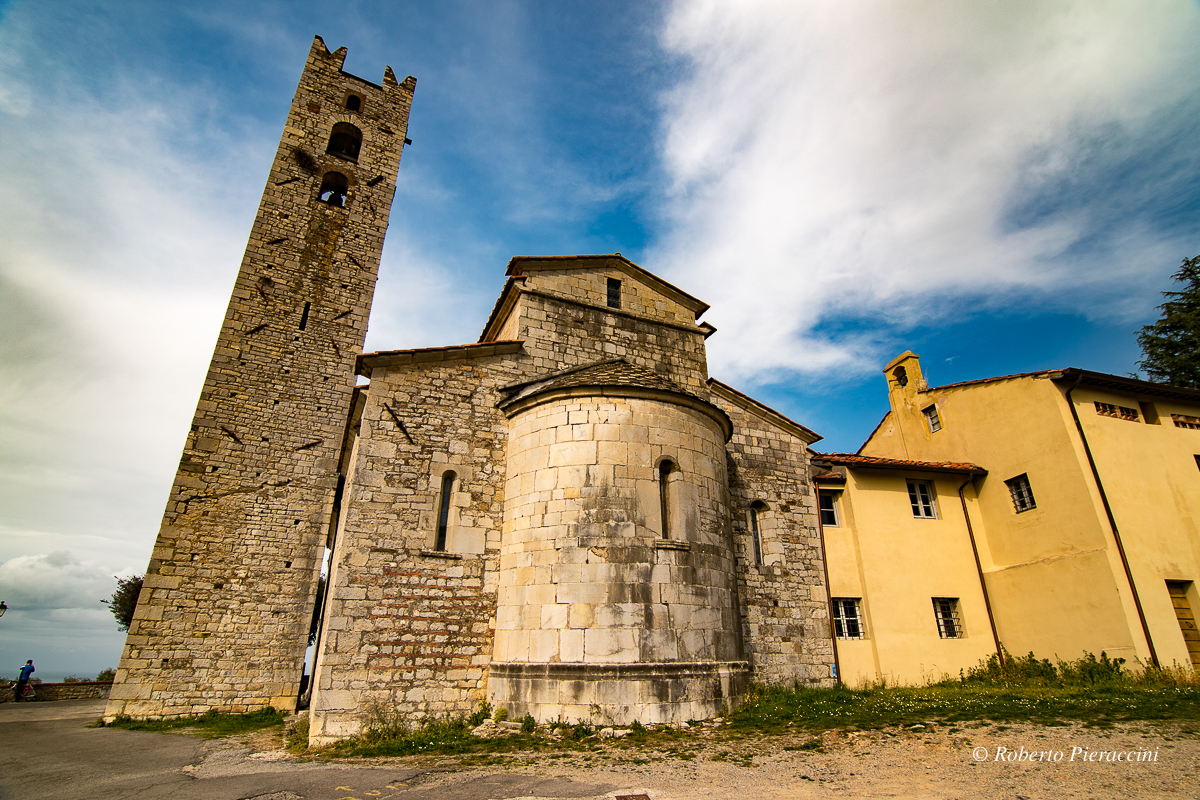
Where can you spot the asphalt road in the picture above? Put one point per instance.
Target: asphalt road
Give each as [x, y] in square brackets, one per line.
[47, 752]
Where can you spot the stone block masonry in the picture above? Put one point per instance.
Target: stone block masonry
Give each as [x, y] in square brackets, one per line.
[409, 625]
[222, 620]
[784, 603]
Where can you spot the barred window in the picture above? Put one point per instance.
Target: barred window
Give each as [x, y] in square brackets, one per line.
[932, 418]
[1120, 412]
[920, 495]
[1184, 421]
[1022, 494]
[614, 293]
[828, 508]
[945, 609]
[847, 621]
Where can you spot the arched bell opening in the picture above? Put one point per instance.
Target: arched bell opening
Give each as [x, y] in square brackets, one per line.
[345, 141]
[334, 188]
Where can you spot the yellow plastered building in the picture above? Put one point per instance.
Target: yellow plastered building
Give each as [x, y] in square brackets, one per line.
[1052, 512]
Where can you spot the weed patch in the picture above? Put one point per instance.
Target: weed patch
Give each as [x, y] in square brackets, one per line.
[211, 725]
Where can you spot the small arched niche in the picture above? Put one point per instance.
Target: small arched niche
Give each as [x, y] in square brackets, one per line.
[334, 188]
[345, 141]
[901, 376]
[354, 102]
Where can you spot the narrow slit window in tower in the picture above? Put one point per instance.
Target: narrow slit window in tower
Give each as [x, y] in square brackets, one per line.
[304, 316]
[444, 510]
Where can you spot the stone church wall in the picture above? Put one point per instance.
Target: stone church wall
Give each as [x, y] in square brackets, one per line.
[784, 604]
[560, 334]
[408, 626]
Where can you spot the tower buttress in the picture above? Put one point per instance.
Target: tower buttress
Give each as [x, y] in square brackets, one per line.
[222, 621]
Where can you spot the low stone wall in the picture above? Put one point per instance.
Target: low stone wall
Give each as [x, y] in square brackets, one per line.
[76, 690]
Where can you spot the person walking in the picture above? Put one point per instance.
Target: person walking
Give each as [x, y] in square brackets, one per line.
[23, 681]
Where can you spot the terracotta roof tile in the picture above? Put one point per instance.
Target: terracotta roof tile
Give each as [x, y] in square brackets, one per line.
[875, 462]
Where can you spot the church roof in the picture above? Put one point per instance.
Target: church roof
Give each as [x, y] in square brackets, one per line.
[748, 403]
[615, 372]
[519, 265]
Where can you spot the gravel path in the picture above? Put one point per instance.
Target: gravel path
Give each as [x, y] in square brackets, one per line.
[936, 762]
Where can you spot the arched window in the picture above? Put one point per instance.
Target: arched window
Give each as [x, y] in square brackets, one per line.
[757, 507]
[353, 103]
[334, 187]
[901, 376]
[664, 495]
[344, 141]
[443, 524]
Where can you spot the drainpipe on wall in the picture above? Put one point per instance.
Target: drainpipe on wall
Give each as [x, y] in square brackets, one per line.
[987, 601]
[837, 666]
[1112, 521]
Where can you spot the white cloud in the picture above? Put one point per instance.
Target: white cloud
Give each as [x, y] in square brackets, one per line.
[870, 161]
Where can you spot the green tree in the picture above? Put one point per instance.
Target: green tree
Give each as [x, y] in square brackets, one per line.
[1171, 346]
[124, 600]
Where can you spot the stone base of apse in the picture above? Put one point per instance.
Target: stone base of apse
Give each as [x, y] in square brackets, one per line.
[619, 694]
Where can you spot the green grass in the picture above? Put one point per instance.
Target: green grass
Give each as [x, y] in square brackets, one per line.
[1094, 691]
[775, 710]
[211, 725]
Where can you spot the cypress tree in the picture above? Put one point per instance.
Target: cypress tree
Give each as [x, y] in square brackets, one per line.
[1171, 346]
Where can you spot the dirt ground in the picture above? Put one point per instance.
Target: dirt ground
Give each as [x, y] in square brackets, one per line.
[968, 761]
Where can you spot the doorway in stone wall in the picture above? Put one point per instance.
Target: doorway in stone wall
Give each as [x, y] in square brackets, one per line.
[314, 634]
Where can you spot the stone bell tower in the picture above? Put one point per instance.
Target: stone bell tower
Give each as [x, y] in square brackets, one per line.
[222, 620]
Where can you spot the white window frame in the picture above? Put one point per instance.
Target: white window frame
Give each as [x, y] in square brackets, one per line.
[948, 617]
[848, 625]
[833, 509]
[923, 507]
[932, 418]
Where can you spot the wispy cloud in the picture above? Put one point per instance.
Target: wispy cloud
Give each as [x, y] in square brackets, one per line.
[844, 171]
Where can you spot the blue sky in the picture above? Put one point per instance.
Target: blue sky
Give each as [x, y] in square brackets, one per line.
[1000, 187]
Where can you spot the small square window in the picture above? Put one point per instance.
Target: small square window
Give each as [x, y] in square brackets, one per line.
[1022, 494]
[920, 495]
[847, 621]
[945, 609]
[828, 508]
[932, 418]
[614, 293]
